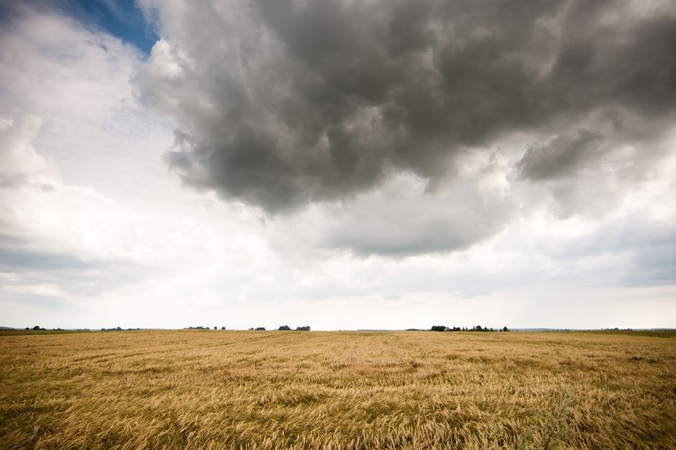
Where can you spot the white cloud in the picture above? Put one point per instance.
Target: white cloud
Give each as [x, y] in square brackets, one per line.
[88, 209]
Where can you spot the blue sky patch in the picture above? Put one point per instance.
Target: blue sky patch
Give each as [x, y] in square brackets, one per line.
[121, 18]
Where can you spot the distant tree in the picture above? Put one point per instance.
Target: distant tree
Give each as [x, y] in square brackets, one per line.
[261, 329]
[438, 328]
[284, 328]
[305, 328]
[505, 329]
[222, 328]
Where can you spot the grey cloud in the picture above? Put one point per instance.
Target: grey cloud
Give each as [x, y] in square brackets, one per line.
[380, 236]
[632, 234]
[560, 156]
[654, 265]
[406, 225]
[402, 218]
[643, 250]
[12, 180]
[279, 103]
[15, 180]
[75, 277]
[24, 259]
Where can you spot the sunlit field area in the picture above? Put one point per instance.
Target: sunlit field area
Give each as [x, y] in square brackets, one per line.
[337, 390]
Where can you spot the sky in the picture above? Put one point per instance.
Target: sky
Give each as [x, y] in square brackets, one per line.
[343, 164]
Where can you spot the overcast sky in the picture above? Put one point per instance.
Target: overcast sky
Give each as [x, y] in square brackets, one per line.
[342, 164]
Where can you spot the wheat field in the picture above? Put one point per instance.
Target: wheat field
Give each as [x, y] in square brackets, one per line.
[337, 390]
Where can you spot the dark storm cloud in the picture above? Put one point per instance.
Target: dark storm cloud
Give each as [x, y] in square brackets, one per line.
[281, 102]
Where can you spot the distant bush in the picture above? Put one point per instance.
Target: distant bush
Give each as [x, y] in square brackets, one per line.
[284, 328]
[260, 329]
[305, 328]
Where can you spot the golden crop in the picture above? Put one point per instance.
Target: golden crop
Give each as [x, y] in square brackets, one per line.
[337, 390]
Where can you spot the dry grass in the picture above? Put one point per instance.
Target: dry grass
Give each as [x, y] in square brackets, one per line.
[339, 390]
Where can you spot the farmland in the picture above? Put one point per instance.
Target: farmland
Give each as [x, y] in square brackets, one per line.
[340, 390]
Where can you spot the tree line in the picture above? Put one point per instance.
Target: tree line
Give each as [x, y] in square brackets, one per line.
[474, 328]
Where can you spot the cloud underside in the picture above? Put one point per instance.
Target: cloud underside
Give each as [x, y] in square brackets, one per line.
[282, 103]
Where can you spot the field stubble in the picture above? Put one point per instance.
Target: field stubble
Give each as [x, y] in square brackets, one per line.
[339, 390]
